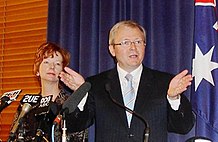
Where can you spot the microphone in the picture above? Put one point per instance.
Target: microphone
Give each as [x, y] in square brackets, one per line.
[33, 100]
[25, 109]
[4, 103]
[28, 102]
[146, 130]
[57, 120]
[7, 98]
[72, 102]
[44, 105]
[69, 106]
[42, 110]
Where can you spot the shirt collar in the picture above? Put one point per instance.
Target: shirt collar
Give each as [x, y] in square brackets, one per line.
[135, 73]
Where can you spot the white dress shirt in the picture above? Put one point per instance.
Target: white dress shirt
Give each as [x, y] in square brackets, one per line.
[136, 79]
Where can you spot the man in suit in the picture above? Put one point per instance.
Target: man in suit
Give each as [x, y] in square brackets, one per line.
[157, 98]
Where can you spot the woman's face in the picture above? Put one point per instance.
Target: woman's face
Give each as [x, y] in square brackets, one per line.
[51, 67]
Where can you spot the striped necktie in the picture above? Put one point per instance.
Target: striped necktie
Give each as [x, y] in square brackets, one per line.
[129, 96]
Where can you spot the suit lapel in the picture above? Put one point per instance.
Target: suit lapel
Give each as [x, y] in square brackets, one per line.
[144, 90]
[116, 93]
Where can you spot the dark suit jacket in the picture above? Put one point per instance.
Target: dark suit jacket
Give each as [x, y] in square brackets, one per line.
[151, 103]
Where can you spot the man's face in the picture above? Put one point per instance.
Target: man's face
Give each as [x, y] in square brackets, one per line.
[128, 57]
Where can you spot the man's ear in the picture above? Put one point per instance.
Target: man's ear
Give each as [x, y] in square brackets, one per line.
[111, 49]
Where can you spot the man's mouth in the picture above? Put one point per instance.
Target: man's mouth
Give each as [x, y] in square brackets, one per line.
[133, 56]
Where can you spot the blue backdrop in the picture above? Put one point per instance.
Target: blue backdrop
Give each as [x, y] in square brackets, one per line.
[82, 27]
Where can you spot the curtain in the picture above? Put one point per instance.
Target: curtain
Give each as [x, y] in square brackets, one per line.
[82, 27]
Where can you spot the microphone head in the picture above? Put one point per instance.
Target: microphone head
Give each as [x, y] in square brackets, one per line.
[4, 99]
[72, 102]
[12, 95]
[44, 105]
[26, 107]
[3, 102]
[31, 99]
[7, 98]
[57, 120]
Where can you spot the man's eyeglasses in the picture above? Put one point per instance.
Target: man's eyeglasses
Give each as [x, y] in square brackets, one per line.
[127, 43]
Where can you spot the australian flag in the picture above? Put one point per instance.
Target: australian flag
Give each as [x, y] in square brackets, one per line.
[204, 95]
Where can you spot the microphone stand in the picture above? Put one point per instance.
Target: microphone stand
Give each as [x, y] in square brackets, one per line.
[146, 130]
[40, 134]
[11, 137]
[21, 132]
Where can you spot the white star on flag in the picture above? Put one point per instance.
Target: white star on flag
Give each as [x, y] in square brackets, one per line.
[215, 26]
[202, 66]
